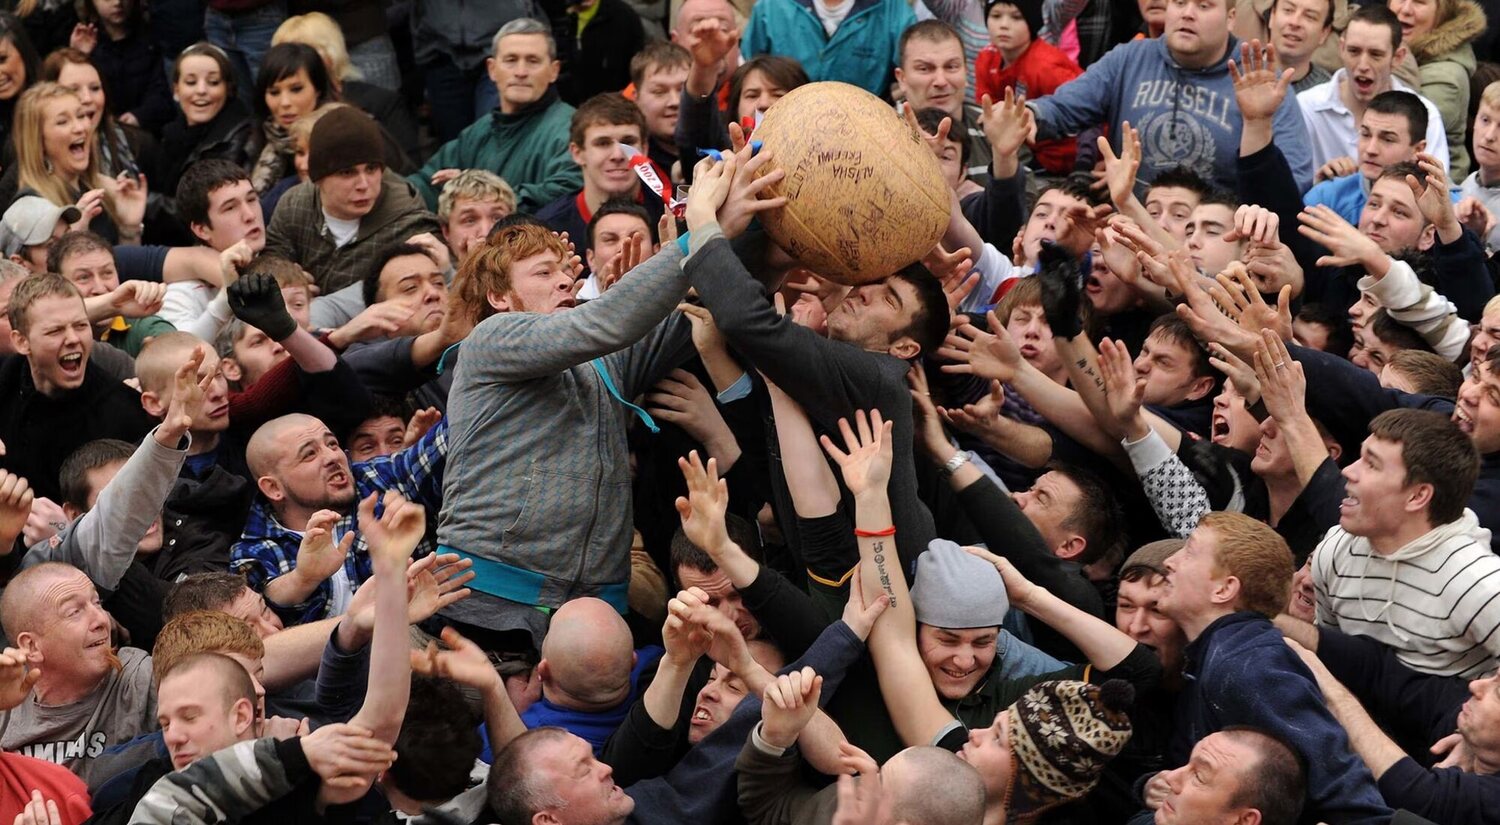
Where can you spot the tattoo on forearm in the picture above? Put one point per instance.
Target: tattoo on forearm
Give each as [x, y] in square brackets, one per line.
[1087, 369]
[885, 576]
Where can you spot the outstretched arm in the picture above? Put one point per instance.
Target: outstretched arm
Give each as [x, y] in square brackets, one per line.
[392, 536]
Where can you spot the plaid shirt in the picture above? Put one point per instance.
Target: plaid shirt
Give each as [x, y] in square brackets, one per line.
[267, 550]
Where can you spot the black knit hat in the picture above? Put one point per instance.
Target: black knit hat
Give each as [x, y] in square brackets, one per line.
[1031, 12]
[343, 139]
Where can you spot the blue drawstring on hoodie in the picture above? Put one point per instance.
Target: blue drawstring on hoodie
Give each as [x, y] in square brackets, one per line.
[609, 384]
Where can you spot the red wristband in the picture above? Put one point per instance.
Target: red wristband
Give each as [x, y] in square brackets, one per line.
[875, 534]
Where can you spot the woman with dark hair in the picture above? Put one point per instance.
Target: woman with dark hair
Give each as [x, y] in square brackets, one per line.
[48, 23]
[211, 122]
[18, 69]
[754, 86]
[117, 41]
[292, 81]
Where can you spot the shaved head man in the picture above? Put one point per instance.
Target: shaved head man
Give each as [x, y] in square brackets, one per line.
[88, 698]
[931, 786]
[587, 657]
[300, 468]
[156, 368]
[206, 703]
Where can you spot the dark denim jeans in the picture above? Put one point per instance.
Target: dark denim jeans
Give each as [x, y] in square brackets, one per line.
[457, 97]
[245, 37]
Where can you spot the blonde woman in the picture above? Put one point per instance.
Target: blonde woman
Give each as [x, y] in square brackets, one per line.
[56, 158]
[1440, 34]
[389, 109]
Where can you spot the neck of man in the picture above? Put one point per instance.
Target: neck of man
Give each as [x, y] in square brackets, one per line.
[1282, 489]
[203, 443]
[1202, 61]
[1410, 531]
[1489, 176]
[595, 197]
[555, 694]
[1355, 107]
[1299, 68]
[1483, 763]
[59, 693]
[994, 812]
[1193, 626]
[294, 516]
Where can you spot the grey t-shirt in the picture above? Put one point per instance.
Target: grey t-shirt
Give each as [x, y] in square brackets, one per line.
[73, 735]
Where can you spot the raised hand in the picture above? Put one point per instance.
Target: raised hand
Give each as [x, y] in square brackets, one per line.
[1256, 224]
[15, 679]
[1124, 390]
[435, 249]
[711, 184]
[929, 426]
[317, 556]
[1273, 266]
[396, 532]
[137, 299]
[1120, 170]
[1118, 258]
[747, 185]
[1283, 386]
[681, 399]
[1345, 244]
[1258, 88]
[463, 662]
[936, 139]
[15, 508]
[862, 801]
[421, 421]
[727, 645]
[1007, 126]
[789, 704]
[90, 205]
[685, 643]
[347, 758]
[860, 615]
[128, 196]
[955, 270]
[1235, 290]
[256, 300]
[1239, 373]
[188, 391]
[1080, 226]
[233, 259]
[1432, 197]
[976, 352]
[629, 256]
[1062, 291]
[978, 418]
[1019, 589]
[46, 520]
[702, 509]
[441, 177]
[1336, 168]
[84, 37]
[432, 583]
[867, 464]
[709, 42]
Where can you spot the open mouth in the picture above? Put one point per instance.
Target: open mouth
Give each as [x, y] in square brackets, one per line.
[1220, 429]
[701, 716]
[1303, 599]
[567, 303]
[1463, 420]
[78, 150]
[72, 363]
[1364, 85]
[338, 478]
[1349, 503]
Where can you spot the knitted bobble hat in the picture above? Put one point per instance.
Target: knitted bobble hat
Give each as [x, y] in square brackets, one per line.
[1061, 736]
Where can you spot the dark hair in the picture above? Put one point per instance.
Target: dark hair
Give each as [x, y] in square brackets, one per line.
[1406, 104]
[13, 30]
[1098, 517]
[1182, 177]
[660, 54]
[284, 60]
[1177, 331]
[76, 242]
[686, 554]
[1428, 372]
[513, 219]
[1400, 170]
[72, 476]
[929, 321]
[88, 12]
[1393, 332]
[1075, 186]
[1340, 336]
[1435, 451]
[619, 205]
[199, 181]
[202, 591]
[785, 72]
[203, 48]
[438, 742]
[933, 31]
[370, 288]
[1277, 785]
[1327, 18]
[515, 793]
[605, 109]
[1376, 14]
[1220, 197]
[931, 119]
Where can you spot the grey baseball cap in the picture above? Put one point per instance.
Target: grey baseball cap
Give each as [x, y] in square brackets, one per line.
[30, 221]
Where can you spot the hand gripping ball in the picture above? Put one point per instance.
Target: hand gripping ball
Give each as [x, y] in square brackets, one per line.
[865, 196]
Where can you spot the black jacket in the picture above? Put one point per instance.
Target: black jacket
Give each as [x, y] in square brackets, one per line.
[601, 61]
[40, 432]
[232, 135]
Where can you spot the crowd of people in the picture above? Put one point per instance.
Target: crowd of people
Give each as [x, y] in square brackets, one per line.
[406, 413]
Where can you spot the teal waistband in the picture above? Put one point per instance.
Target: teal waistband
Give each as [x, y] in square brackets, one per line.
[506, 581]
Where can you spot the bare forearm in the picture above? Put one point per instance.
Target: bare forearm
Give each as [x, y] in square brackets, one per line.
[819, 742]
[290, 589]
[1100, 642]
[390, 658]
[1298, 631]
[1030, 446]
[723, 370]
[663, 699]
[1064, 408]
[1369, 741]
[1306, 447]
[501, 721]
[293, 655]
[814, 491]
[737, 565]
[192, 263]
[309, 353]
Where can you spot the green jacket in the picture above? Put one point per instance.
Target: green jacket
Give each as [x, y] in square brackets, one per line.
[529, 149]
[1445, 60]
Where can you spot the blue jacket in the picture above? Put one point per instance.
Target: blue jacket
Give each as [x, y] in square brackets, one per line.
[1240, 672]
[1346, 196]
[1186, 117]
[863, 50]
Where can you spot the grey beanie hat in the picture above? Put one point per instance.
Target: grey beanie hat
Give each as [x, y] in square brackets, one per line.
[957, 590]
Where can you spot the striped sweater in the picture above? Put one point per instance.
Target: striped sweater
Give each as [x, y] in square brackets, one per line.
[1435, 602]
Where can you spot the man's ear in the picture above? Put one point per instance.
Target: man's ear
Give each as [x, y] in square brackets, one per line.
[1399, 57]
[1071, 549]
[1420, 146]
[153, 404]
[1201, 387]
[1425, 241]
[270, 488]
[200, 231]
[544, 670]
[904, 348]
[70, 511]
[26, 642]
[498, 302]
[588, 258]
[18, 342]
[1419, 497]
[1226, 591]
[244, 717]
[576, 152]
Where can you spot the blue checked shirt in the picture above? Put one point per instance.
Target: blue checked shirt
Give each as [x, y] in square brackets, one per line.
[267, 550]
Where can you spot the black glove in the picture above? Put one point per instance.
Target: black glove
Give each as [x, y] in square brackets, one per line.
[1062, 290]
[256, 300]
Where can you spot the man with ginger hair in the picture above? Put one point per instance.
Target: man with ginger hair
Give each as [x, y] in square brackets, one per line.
[89, 697]
[589, 672]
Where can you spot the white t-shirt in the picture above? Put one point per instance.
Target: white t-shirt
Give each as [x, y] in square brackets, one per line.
[343, 231]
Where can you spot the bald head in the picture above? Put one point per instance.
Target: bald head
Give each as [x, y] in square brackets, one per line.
[269, 442]
[22, 599]
[157, 365]
[932, 786]
[588, 656]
